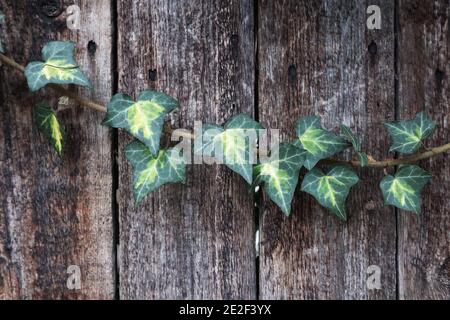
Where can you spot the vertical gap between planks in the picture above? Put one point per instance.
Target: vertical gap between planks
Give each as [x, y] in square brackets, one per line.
[114, 155]
[396, 117]
[257, 195]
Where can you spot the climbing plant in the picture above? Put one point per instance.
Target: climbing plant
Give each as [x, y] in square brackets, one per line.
[327, 179]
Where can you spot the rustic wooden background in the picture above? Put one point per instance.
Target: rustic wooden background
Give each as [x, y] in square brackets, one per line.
[274, 60]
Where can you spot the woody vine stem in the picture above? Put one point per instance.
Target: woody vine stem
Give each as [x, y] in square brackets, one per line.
[371, 162]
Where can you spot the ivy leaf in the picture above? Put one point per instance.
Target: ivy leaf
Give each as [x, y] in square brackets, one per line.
[46, 120]
[59, 67]
[407, 136]
[231, 145]
[350, 137]
[2, 20]
[144, 119]
[331, 188]
[318, 143]
[150, 172]
[280, 174]
[404, 189]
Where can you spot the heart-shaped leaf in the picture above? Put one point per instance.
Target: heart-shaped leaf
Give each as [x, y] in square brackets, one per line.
[280, 174]
[59, 67]
[2, 20]
[232, 145]
[350, 137]
[318, 143]
[404, 189]
[144, 119]
[407, 136]
[149, 172]
[46, 120]
[331, 188]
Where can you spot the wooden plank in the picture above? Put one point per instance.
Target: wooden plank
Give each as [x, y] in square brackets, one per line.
[318, 57]
[55, 212]
[191, 241]
[423, 73]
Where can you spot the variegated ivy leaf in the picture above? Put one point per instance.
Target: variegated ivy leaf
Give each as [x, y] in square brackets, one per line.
[2, 20]
[144, 118]
[404, 189]
[280, 174]
[59, 67]
[407, 136]
[350, 137]
[46, 120]
[318, 143]
[231, 145]
[150, 172]
[331, 188]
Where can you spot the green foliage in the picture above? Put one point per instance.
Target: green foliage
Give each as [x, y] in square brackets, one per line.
[407, 136]
[350, 137]
[144, 119]
[404, 189]
[331, 188]
[232, 145]
[280, 174]
[150, 172]
[59, 67]
[46, 120]
[318, 143]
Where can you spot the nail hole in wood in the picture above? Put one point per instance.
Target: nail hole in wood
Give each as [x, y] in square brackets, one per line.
[292, 73]
[373, 49]
[439, 75]
[92, 47]
[52, 8]
[152, 74]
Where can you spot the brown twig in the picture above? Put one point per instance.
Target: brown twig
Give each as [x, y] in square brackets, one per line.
[180, 133]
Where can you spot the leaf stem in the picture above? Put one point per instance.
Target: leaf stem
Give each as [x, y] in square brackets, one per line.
[372, 163]
[394, 162]
[10, 62]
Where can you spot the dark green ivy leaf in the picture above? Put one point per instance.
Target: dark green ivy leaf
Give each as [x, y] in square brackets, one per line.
[232, 145]
[144, 118]
[350, 137]
[318, 143]
[331, 188]
[407, 136]
[280, 174]
[59, 67]
[404, 189]
[46, 120]
[150, 172]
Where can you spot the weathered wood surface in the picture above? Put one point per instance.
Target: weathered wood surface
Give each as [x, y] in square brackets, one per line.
[197, 240]
[423, 75]
[193, 240]
[55, 212]
[317, 57]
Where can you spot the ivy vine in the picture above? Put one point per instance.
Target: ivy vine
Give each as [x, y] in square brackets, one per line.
[328, 180]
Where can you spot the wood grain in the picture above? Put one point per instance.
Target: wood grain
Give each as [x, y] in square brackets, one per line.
[195, 240]
[319, 58]
[55, 212]
[423, 75]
